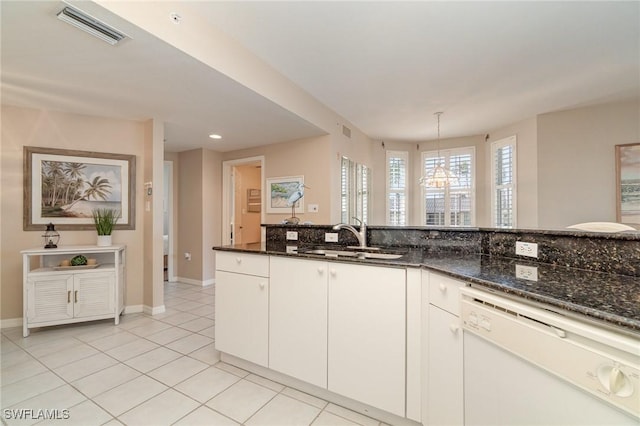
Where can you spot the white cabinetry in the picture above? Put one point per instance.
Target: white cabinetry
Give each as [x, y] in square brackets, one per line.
[444, 360]
[242, 306]
[56, 295]
[367, 324]
[298, 319]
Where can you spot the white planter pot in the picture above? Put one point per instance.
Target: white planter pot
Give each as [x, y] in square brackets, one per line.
[104, 240]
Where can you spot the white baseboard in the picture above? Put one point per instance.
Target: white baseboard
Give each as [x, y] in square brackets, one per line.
[133, 309]
[153, 310]
[11, 322]
[198, 283]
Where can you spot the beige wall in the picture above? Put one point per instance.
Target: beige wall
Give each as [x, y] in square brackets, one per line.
[211, 212]
[30, 127]
[307, 157]
[190, 202]
[576, 162]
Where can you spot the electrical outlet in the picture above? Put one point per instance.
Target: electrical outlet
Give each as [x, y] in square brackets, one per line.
[527, 272]
[331, 237]
[292, 249]
[526, 249]
[187, 255]
[292, 235]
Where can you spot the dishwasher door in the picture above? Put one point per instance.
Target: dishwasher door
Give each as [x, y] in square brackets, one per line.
[520, 369]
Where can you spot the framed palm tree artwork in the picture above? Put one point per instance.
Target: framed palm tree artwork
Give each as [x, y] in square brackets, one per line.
[65, 187]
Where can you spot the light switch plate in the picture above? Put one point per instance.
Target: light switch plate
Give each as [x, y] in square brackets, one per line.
[292, 235]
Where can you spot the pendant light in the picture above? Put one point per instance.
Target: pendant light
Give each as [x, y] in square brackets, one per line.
[439, 176]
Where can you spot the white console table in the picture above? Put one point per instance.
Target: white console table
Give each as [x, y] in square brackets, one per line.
[55, 294]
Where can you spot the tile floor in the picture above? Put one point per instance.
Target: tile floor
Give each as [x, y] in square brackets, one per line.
[149, 370]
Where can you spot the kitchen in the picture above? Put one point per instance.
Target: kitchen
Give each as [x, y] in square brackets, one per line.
[197, 167]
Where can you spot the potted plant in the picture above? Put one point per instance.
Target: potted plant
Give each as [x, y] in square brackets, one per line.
[105, 220]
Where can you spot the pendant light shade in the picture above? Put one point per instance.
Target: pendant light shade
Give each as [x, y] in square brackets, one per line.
[439, 176]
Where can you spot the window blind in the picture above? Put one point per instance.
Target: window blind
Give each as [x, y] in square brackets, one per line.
[397, 163]
[503, 200]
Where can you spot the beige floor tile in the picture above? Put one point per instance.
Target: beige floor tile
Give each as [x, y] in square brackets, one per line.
[328, 419]
[104, 380]
[14, 357]
[126, 396]
[20, 371]
[28, 388]
[68, 355]
[60, 398]
[85, 367]
[149, 329]
[205, 416]
[188, 305]
[153, 359]
[351, 415]
[189, 343]
[168, 335]
[241, 400]
[128, 322]
[204, 310]
[197, 324]
[98, 332]
[7, 346]
[265, 382]
[179, 318]
[232, 369]
[86, 413]
[208, 354]
[207, 384]
[113, 341]
[305, 397]
[163, 409]
[52, 346]
[210, 332]
[283, 411]
[131, 349]
[178, 370]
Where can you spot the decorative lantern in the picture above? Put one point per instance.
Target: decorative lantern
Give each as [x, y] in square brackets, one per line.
[51, 237]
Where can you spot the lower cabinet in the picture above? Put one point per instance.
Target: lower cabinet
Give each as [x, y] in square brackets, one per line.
[242, 316]
[367, 323]
[66, 296]
[445, 380]
[298, 319]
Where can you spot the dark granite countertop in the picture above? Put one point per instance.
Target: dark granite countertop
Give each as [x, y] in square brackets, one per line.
[610, 299]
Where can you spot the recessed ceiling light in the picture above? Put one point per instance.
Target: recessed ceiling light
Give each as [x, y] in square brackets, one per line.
[214, 136]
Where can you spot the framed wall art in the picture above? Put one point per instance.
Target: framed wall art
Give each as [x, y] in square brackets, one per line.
[280, 190]
[65, 186]
[628, 183]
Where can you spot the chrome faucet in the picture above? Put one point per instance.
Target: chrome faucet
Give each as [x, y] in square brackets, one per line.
[362, 235]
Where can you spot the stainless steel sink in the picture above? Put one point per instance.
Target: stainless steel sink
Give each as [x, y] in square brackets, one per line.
[356, 254]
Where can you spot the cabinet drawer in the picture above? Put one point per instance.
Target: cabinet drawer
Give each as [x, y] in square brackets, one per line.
[242, 263]
[444, 292]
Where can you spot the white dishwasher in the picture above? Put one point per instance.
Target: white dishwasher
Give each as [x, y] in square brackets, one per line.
[525, 365]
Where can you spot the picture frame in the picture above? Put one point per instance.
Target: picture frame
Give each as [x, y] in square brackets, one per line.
[279, 189]
[64, 186]
[628, 183]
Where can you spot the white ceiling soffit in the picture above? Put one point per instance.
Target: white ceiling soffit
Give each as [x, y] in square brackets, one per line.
[388, 66]
[49, 64]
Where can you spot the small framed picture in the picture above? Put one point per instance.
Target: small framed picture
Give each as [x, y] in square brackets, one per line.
[281, 190]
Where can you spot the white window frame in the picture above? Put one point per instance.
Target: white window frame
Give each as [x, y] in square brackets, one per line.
[355, 188]
[447, 154]
[405, 156]
[495, 146]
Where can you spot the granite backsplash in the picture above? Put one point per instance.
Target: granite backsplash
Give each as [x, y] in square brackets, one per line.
[609, 253]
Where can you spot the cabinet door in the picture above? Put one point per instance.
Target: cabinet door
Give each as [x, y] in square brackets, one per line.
[94, 294]
[445, 378]
[366, 353]
[298, 319]
[50, 298]
[242, 316]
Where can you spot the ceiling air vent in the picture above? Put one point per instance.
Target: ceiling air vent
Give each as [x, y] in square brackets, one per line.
[90, 25]
[346, 131]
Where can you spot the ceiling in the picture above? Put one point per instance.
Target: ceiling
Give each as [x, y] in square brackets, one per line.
[384, 66]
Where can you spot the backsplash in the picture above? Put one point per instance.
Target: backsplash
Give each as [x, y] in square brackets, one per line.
[616, 254]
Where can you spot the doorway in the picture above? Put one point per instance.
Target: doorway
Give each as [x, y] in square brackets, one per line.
[243, 197]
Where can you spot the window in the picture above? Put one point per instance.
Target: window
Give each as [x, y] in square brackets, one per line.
[453, 205]
[397, 187]
[354, 191]
[503, 183]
